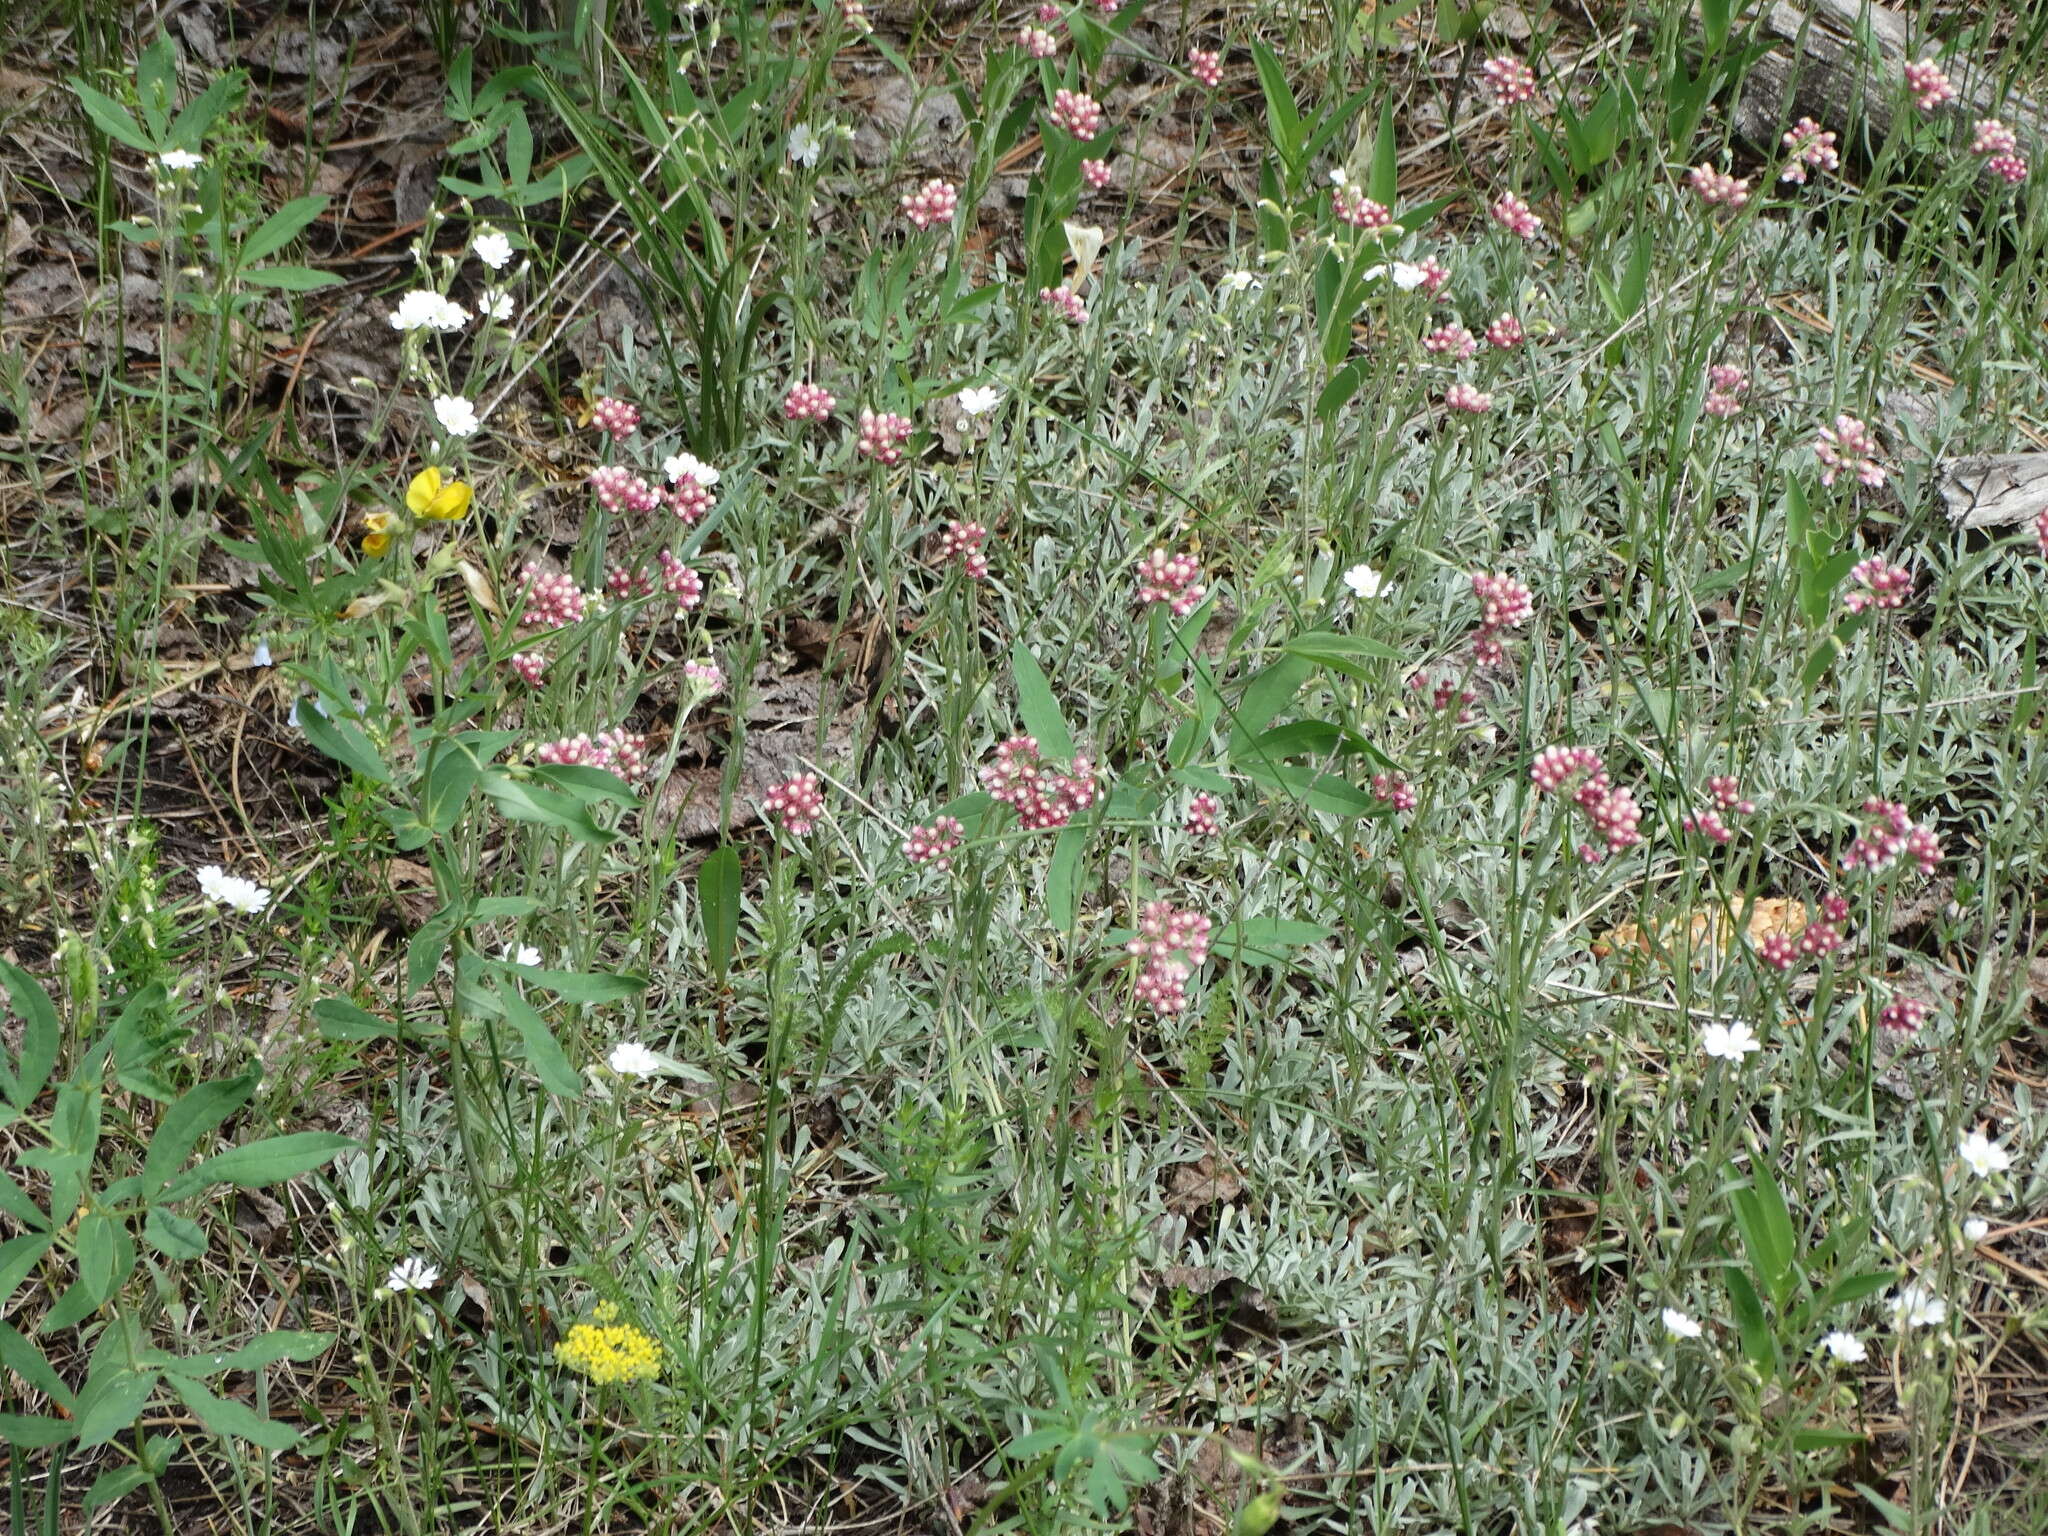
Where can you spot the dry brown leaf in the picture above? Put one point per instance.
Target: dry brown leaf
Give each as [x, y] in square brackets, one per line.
[1705, 933]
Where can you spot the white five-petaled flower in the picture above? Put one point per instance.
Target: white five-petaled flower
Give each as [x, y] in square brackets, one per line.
[1365, 582]
[1976, 1229]
[1915, 1306]
[629, 1058]
[681, 466]
[980, 400]
[1982, 1155]
[1679, 1326]
[493, 249]
[226, 890]
[412, 1275]
[806, 144]
[524, 954]
[495, 304]
[457, 416]
[1845, 1347]
[1238, 282]
[180, 160]
[1405, 275]
[1339, 177]
[1729, 1042]
[425, 310]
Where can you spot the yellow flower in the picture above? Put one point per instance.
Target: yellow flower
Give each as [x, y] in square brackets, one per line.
[377, 528]
[430, 496]
[608, 1351]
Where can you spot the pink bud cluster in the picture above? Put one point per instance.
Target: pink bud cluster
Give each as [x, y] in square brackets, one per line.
[1504, 604]
[1171, 579]
[934, 844]
[1884, 585]
[1727, 793]
[680, 582]
[1447, 692]
[1205, 816]
[882, 436]
[1726, 385]
[621, 751]
[616, 419]
[855, 14]
[1809, 145]
[1095, 173]
[1206, 67]
[617, 488]
[625, 583]
[553, 600]
[1613, 812]
[1436, 277]
[1515, 216]
[1511, 82]
[807, 402]
[1469, 399]
[689, 498]
[1359, 211]
[1888, 835]
[531, 666]
[1043, 797]
[1066, 302]
[1821, 936]
[1902, 1016]
[965, 541]
[1930, 85]
[933, 203]
[1038, 42]
[1714, 186]
[1504, 333]
[1168, 946]
[704, 675]
[1395, 790]
[2041, 531]
[2001, 145]
[1452, 341]
[1848, 448]
[1047, 12]
[1078, 113]
[797, 803]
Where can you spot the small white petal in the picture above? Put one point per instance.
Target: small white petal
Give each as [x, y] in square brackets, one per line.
[629, 1058]
[1845, 1347]
[1679, 1326]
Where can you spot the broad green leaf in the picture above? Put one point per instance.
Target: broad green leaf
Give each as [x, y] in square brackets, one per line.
[1759, 1344]
[587, 986]
[543, 1050]
[281, 228]
[225, 1416]
[34, 1433]
[1267, 940]
[449, 783]
[1341, 652]
[718, 895]
[265, 1349]
[270, 1161]
[42, 1036]
[1283, 117]
[27, 1362]
[1822, 1439]
[1271, 691]
[1037, 707]
[19, 1255]
[520, 801]
[341, 1019]
[343, 741]
[174, 1236]
[198, 1112]
[110, 117]
[111, 1399]
[1063, 878]
[587, 784]
[113, 1484]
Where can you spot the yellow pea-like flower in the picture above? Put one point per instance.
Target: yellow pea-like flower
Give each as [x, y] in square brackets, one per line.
[377, 529]
[431, 496]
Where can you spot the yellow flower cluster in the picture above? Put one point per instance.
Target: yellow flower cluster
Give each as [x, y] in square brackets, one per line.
[609, 1351]
[432, 496]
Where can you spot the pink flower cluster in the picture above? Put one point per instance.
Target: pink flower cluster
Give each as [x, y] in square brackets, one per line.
[797, 803]
[1038, 42]
[1808, 145]
[1505, 333]
[1205, 816]
[807, 402]
[1929, 84]
[1888, 835]
[1727, 793]
[1448, 691]
[680, 582]
[933, 203]
[617, 488]
[1171, 579]
[1516, 217]
[1469, 399]
[2041, 531]
[705, 675]
[934, 844]
[882, 436]
[1395, 790]
[1504, 603]
[616, 419]
[1714, 186]
[1169, 945]
[531, 666]
[1884, 585]
[1613, 812]
[1849, 448]
[553, 600]
[1511, 82]
[621, 751]
[1821, 936]
[1995, 140]
[1726, 385]
[965, 541]
[1078, 113]
[1095, 173]
[689, 498]
[1043, 797]
[1451, 340]
[1902, 1016]
[1206, 67]
[1359, 211]
[625, 584]
[1066, 302]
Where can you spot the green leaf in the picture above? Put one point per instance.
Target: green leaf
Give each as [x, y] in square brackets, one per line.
[1852, 1288]
[1063, 878]
[110, 1401]
[110, 117]
[1037, 707]
[586, 986]
[1283, 117]
[290, 279]
[115, 1483]
[588, 784]
[343, 741]
[1343, 385]
[449, 783]
[424, 951]
[265, 1349]
[19, 1255]
[27, 1362]
[42, 1036]
[1267, 940]
[174, 1236]
[33, 1433]
[1822, 1439]
[520, 801]
[198, 1112]
[281, 228]
[718, 895]
[341, 1019]
[1383, 180]
[1341, 652]
[270, 1161]
[14, 1200]
[225, 1416]
[1759, 1344]
[1271, 691]
[543, 1050]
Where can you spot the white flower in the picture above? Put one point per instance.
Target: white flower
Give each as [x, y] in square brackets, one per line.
[180, 160]
[457, 416]
[495, 304]
[1845, 1347]
[629, 1058]
[1405, 274]
[1679, 1326]
[678, 466]
[1976, 1229]
[805, 144]
[1915, 1306]
[1365, 582]
[1983, 1156]
[1340, 177]
[412, 1275]
[1238, 282]
[226, 890]
[1728, 1042]
[423, 309]
[492, 248]
[260, 657]
[525, 954]
[980, 400]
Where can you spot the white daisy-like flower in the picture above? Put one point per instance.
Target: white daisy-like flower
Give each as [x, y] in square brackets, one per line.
[1976, 1229]
[980, 400]
[180, 160]
[492, 248]
[1365, 582]
[226, 890]
[1679, 1326]
[524, 954]
[1339, 177]
[457, 416]
[1845, 1347]
[425, 310]
[1238, 282]
[806, 144]
[1915, 1306]
[412, 1275]
[1404, 275]
[1728, 1042]
[1982, 1155]
[679, 466]
[495, 304]
[629, 1058]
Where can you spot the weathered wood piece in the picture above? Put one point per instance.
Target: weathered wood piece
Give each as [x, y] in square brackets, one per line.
[1995, 489]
